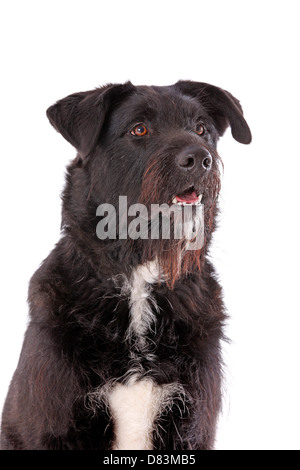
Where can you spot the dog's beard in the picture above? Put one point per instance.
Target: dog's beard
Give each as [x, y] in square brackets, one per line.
[175, 256]
[178, 257]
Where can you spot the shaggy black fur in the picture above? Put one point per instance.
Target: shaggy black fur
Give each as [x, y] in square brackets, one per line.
[77, 340]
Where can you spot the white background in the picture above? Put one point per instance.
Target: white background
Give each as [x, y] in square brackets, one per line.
[251, 48]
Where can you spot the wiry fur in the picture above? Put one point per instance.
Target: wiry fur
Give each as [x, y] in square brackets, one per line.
[145, 314]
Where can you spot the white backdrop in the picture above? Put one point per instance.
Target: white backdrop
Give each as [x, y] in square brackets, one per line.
[251, 48]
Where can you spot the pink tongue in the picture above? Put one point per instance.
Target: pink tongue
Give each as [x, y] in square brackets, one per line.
[189, 198]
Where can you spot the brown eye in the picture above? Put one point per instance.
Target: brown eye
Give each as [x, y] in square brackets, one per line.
[139, 130]
[200, 129]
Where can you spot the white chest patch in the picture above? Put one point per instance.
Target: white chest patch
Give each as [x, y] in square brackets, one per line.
[135, 407]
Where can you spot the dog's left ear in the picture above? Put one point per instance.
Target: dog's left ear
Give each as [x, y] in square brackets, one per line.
[224, 108]
[79, 117]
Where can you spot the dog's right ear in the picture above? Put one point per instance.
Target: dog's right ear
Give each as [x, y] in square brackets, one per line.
[79, 117]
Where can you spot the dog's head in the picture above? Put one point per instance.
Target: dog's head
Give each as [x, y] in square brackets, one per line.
[154, 145]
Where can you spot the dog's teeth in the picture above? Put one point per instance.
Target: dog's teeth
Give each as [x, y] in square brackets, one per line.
[183, 203]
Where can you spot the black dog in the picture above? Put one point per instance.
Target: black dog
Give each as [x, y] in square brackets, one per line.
[123, 347]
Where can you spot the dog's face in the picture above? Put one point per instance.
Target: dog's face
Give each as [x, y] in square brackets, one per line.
[154, 145]
[158, 146]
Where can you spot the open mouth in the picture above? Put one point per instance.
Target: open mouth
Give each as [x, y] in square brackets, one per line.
[189, 196]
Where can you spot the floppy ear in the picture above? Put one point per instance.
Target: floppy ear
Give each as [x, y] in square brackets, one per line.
[79, 117]
[224, 108]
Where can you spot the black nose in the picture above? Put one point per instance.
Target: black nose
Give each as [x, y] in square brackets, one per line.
[193, 157]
